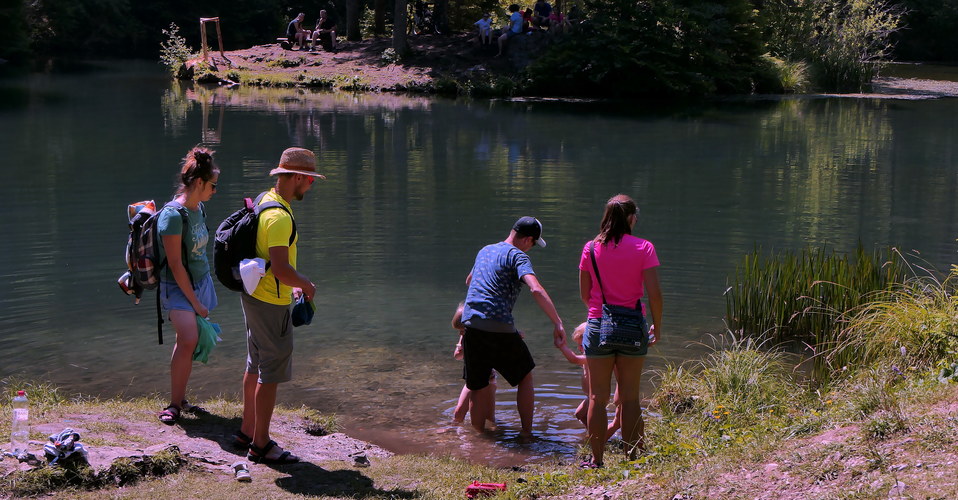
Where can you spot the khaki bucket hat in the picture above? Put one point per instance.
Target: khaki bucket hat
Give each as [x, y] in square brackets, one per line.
[297, 161]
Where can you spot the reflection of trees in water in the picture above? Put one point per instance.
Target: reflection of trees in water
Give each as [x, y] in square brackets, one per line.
[808, 169]
[175, 106]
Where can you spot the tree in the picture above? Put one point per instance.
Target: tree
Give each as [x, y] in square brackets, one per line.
[400, 44]
[353, 31]
[379, 17]
[440, 16]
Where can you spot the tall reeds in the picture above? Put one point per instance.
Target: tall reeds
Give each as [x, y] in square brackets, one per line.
[912, 327]
[801, 297]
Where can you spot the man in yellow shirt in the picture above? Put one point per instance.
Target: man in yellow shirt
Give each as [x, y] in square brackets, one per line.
[269, 328]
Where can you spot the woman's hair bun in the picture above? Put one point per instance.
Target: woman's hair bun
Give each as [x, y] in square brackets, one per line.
[201, 156]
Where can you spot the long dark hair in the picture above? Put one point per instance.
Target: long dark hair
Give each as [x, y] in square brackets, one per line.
[197, 164]
[615, 219]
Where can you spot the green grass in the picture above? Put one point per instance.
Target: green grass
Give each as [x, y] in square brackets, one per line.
[803, 297]
[913, 326]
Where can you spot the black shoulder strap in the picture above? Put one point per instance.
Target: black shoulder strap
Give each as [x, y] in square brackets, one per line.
[259, 207]
[186, 222]
[595, 267]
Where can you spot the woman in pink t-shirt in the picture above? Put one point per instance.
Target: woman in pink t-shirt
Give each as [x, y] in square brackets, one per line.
[627, 270]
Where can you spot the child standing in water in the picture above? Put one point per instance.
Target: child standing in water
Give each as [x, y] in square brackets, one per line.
[582, 412]
[463, 406]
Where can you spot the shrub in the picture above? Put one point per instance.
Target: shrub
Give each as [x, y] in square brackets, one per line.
[174, 51]
[846, 41]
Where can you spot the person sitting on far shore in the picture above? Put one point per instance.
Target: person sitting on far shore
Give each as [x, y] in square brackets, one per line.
[485, 29]
[325, 27]
[514, 28]
[542, 11]
[527, 21]
[295, 31]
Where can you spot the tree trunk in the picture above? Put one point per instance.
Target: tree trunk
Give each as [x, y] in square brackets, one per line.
[353, 32]
[400, 45]
[441, 16]
[379, 16]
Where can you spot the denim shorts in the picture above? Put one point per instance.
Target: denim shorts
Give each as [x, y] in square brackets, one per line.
[172, 298]
[590, 343]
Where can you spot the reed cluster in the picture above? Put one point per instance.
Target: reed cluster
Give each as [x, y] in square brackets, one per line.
[801, 296]
[910, 327]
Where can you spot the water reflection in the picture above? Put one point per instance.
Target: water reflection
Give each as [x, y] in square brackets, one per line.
[416, 186]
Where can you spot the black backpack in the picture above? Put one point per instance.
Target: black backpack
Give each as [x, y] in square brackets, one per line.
[236, 240]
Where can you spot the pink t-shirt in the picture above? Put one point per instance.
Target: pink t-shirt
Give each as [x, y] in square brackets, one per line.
[620, 267]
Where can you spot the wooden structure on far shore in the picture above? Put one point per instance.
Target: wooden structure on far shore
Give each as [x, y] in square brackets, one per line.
[219, 37]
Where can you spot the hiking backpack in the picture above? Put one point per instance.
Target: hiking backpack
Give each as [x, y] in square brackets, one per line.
[143, 250]
[236, 240]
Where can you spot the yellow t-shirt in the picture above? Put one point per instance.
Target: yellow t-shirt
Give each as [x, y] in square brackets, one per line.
[275, 227]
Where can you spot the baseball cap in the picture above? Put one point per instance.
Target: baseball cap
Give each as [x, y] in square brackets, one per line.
[530, 226]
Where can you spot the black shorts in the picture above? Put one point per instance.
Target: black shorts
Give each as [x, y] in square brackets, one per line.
[485, 351]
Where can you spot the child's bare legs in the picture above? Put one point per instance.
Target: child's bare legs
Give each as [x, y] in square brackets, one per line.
[617, 419]
[462, 406]
[616, 422]
[582, 412]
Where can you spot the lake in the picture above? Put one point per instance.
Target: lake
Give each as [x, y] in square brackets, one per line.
[416, 186]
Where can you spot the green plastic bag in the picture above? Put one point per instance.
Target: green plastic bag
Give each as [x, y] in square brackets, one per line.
[209, 335]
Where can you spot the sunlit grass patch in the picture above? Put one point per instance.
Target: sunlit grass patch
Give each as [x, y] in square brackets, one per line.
[912, 327]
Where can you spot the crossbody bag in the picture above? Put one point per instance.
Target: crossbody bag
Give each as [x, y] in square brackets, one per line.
[620, 327]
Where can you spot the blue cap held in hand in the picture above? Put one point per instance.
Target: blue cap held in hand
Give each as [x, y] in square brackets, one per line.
[303, 311]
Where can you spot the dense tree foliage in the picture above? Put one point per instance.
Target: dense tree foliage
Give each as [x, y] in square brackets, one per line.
[624, 47]
[930, 32]
[680, 47]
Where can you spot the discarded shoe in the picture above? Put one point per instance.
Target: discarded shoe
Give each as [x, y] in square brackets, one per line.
[241, 472]
[361, 460]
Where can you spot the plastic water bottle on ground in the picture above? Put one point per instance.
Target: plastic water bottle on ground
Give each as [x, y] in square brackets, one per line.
[20, 430]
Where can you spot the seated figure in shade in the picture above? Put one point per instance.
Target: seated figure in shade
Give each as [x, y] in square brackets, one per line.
[325, 32]
[296, 33]
[485, 29]
[541, 12]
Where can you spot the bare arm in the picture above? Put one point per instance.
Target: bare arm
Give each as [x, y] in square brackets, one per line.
[545, 303]
[570, 356]
[279, 264]
[173, 245]
[585, 287]
[650, 277]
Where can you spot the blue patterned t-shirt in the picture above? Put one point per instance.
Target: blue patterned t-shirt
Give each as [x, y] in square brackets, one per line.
[496, 282]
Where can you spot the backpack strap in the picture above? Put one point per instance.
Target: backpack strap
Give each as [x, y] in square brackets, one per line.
[259, 207]
[186, 221]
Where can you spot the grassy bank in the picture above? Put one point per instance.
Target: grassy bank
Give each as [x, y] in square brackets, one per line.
[735, 424]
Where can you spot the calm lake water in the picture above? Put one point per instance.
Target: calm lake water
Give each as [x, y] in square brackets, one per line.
[415, 187]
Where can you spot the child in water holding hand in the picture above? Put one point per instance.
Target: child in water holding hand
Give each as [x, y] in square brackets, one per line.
[463, 406]
[582, 412]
